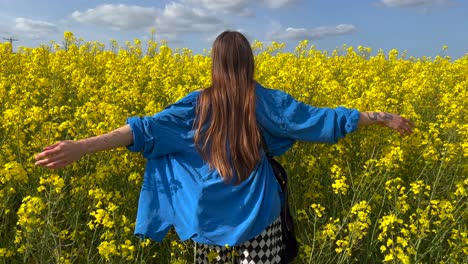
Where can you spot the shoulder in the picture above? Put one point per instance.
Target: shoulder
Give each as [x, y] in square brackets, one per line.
[190, 98]
[183, 108]
[271, 96]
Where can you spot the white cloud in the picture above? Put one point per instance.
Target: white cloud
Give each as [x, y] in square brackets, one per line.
[415, 3]
[232, 7]
[236, 7]
[178, 18]
[313, 33]
[173, 19]
[34, 28]
[278, 3]
[119, 17]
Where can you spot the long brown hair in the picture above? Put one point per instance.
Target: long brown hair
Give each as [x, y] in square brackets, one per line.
[226, 132]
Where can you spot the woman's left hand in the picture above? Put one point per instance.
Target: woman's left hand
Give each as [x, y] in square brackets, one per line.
[403, 125]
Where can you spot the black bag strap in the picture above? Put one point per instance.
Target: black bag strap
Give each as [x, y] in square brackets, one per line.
[280, 174]
[290, 247]
[278, 169]
[282, 179]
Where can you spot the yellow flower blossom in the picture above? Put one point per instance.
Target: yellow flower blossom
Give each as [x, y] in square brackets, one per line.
[388, 199]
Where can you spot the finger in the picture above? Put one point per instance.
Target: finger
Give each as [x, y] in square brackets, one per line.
[42, 162]
[409, 122]
[48, 153]
[57, 165]
[42, 155]
[408, 129]
[53, 165]
[47, 163]
[51, 146]
[50, 159]
[400, 130]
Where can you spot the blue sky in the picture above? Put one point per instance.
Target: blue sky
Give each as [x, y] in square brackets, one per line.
[421, 27]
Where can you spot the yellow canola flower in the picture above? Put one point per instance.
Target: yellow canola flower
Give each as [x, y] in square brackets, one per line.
[318, 209]
[107, 249]
[13, 171]
[101, 217]
[54, 181]
[29, 213]
[330, 229]
[461, 189]
[416, 185]
[6, 253]
[388, 223]
[340, 186]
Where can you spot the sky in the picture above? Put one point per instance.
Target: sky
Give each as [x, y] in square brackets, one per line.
[419, 27]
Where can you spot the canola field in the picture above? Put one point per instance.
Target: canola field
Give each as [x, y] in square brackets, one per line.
[374, 197]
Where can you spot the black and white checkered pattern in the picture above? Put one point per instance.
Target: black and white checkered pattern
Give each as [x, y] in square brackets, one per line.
[262, 249]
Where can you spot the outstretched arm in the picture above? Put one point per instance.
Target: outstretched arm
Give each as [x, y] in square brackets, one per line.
[62, 153]
[402, 125]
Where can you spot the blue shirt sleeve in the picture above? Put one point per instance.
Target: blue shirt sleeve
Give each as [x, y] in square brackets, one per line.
[308, 123]
[286, 117]
[167, 132]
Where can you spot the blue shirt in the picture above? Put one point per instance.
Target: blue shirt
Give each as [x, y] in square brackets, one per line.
[180, 190]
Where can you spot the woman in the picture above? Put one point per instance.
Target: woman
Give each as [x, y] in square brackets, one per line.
[207, 174]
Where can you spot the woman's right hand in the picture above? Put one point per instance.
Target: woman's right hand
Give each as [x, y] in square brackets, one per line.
[60, 154]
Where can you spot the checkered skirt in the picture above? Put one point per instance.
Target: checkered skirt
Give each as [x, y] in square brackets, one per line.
[262, 249]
